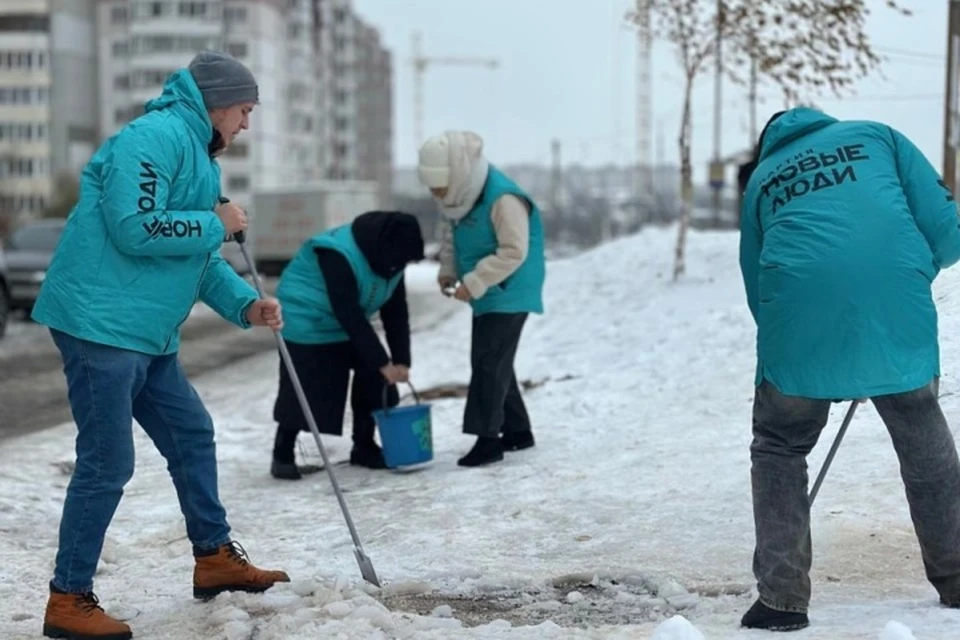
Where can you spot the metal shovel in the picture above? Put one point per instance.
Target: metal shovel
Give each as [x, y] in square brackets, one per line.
[833, 450]
[366, 566]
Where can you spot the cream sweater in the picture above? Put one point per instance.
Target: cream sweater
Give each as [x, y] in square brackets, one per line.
[511, 223]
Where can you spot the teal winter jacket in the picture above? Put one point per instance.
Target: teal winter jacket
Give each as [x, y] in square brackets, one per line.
[308, 316]
[142, 244]
[844, 227]
[475, 238]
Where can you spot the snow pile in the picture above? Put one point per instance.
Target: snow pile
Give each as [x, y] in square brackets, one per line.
[630, 519]
[896, 631]
[677, 628]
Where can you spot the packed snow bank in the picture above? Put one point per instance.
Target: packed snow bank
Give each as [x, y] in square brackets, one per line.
[633, 510]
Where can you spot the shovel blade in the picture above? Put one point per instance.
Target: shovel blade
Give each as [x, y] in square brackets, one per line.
[366, 567]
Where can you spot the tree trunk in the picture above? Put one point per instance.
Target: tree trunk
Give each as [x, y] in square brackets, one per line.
[686, 183]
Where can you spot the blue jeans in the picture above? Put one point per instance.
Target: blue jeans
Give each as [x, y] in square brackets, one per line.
[108, 388]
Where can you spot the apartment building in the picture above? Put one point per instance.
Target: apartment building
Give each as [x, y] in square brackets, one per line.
[72, 72]
[48, 123]
[374, 117]
[143, 41]
[359, 81]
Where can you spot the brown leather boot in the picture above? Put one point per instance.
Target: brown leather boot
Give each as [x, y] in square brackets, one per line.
[78, 616]
[228, 569]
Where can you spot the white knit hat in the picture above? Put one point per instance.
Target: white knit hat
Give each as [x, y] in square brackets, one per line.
[434, 165]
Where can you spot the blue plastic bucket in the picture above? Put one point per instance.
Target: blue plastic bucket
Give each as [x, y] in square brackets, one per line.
[406, 433]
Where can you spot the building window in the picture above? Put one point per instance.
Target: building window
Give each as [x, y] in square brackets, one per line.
[31, 22]
[238, 183]
[237, 150]
[193, 9]
[24, 95]
[120, 48]
[126, 114]
[237, 49]
[171, 44]
[23, 167]
[151, 9]
[235, 14]
[152, 44]
[118, 15]
[121, 82]
[149, 78]
[23, 60]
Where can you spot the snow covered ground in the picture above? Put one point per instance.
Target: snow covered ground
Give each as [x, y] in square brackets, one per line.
[630, 519]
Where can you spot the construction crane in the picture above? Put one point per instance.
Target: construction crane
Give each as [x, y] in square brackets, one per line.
[644, 186]
[420, 64]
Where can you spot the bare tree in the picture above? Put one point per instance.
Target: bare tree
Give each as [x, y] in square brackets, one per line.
[806, 47]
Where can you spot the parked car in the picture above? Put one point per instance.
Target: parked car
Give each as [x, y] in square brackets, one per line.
[29, 250]
[31, 247]
[4, 295]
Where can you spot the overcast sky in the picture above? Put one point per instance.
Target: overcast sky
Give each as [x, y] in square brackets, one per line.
[567, 72]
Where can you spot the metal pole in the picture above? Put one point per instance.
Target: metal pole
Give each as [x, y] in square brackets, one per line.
[718, 115]
[949, 102]
[833, 450]
[419, 67]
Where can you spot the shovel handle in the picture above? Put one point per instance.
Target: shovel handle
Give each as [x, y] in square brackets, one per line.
[240, 236]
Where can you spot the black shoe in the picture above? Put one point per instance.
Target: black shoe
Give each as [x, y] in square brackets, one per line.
[485, 451]
[517, 440]
[368, 455]
[760, 616]
[291, 470]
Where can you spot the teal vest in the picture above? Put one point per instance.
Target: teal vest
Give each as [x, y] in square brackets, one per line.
[308, 316]
[474, 238]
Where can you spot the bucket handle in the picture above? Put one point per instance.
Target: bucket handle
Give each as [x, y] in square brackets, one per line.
[386, 388]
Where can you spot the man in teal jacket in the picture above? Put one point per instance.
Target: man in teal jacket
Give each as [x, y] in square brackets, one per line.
[494, 246]
[139, 249]
[844, 227]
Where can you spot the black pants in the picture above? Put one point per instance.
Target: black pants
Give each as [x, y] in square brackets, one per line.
[494, 403]
[324, 372]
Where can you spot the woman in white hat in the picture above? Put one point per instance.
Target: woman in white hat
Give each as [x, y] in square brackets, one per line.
[494, 248]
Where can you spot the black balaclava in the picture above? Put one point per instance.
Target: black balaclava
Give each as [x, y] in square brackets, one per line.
[746, 169]
[389, 240]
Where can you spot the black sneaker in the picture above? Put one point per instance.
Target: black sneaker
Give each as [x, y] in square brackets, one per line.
[517, 440]
[485, 451]
[760, 616]
[291, 470]
[369, 456]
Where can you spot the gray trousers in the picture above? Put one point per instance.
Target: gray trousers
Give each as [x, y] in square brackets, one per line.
[494, 401]
[785, 430]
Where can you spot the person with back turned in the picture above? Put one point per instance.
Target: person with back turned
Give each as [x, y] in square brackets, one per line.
[844, 226]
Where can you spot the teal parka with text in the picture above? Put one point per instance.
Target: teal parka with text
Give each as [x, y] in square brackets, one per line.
[142, 244]
[844, 227]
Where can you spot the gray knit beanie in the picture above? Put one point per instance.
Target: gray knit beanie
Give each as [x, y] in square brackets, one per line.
[223, 80]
